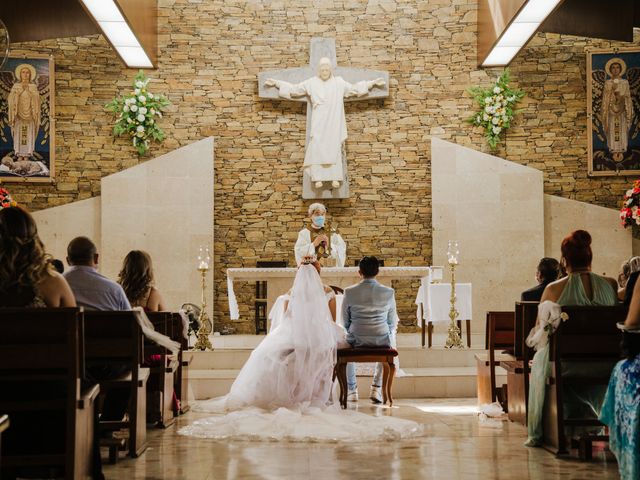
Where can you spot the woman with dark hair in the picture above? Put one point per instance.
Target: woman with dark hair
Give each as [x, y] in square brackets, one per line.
[621, 407]
[580, 287]
[136, 278]
[27, 278]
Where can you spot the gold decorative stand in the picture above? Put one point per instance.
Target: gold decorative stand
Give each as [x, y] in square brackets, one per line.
[453, 337]
[206, 327]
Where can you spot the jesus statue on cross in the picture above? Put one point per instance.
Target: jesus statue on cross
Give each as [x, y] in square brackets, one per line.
[325, 92]
[323, 156]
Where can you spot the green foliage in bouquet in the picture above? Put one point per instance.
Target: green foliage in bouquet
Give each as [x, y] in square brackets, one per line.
[496, 108]
[137, 114]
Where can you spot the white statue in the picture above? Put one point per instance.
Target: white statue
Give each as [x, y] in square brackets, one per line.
[317, 239]
[323, 157]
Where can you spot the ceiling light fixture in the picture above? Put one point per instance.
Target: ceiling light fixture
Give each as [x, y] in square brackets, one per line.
[518, 30]
[109, 17]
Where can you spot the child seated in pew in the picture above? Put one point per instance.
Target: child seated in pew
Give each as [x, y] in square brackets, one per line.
[27, 278]
[579, 287]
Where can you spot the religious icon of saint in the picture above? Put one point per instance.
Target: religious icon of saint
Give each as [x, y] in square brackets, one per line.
[617, 108]
[24, 111]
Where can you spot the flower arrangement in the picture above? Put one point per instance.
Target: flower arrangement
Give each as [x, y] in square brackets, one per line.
[550, 315]
[496, 110]
[5, 199]
[136, 114]
[629, 213]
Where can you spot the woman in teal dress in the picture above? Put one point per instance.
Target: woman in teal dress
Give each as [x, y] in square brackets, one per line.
[621, 408]
[579, 287]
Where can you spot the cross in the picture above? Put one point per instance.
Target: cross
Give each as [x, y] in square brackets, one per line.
[322, 47]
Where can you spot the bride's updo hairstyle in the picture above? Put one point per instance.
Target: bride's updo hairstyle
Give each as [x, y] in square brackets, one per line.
[576, 250]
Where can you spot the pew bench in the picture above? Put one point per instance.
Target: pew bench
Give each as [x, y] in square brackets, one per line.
[582, 353]
[115, 339]
[366, 355]
[53, 416]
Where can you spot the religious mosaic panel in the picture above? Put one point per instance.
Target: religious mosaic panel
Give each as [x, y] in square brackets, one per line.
[27, 150]
[613, 111]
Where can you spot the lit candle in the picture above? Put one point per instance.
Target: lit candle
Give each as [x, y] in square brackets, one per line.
[204, 259]
[453, 252]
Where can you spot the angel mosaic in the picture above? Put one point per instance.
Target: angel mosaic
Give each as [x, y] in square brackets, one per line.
[26, 128]
[613, 96]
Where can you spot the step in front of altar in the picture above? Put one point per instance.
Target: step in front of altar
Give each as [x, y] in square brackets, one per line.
[435, 372]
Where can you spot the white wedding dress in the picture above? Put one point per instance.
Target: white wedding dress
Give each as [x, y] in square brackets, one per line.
[284, 390]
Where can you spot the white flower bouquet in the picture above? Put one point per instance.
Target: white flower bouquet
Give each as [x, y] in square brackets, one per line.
[136, 114]
[550, 315]
[496, 108]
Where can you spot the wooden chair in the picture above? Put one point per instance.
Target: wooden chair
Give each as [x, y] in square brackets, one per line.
[500, 334]
[337, 290]
[366, 355]
[163, 366]
[185, 357]
[589, 335]
[52, 416]
[115, 338]
[518, 369]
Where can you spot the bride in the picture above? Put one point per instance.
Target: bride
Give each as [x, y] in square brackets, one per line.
[284, 390]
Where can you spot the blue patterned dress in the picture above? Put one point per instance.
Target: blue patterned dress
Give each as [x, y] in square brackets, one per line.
[621, 412]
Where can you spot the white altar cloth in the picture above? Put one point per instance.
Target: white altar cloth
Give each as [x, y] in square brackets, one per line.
[281, 279]
[436, 301]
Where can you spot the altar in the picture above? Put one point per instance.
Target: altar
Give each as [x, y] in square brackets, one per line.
[280, 280]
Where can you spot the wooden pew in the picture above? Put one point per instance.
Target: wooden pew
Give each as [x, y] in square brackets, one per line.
[184, 360]
[518, 369]
[499, 336]
[163, 370]
[4, 424]
[115, 339]
[589, 335]
[52, 416]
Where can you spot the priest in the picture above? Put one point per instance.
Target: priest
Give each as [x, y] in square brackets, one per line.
[317, 240]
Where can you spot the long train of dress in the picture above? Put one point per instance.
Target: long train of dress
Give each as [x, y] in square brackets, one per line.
[284, 390]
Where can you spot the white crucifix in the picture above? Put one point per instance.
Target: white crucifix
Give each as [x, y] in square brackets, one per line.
[325, 87]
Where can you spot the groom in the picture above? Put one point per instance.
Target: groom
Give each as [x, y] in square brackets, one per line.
[368, 312]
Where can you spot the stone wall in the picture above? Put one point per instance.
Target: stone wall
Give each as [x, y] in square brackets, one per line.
[209, 55]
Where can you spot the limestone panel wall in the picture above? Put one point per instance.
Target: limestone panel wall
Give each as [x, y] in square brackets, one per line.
[57, 226]
[209, 56]
[612, 244]
[494, 209]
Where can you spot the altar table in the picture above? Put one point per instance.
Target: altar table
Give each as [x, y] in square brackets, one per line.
[280, 280]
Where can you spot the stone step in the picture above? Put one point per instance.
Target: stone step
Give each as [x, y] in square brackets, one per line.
[426, 382]
[410, 357]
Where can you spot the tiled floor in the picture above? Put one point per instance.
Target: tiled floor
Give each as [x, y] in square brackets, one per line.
[456, 445]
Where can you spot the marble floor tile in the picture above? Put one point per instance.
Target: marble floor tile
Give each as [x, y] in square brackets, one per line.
[456, 445]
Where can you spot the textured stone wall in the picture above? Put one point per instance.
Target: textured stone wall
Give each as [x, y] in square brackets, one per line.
[210, 53]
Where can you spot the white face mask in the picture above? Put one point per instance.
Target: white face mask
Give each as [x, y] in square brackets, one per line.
[318, 221]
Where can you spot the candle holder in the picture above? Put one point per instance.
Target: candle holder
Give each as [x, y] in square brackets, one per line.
[453, 337]
[206, 327]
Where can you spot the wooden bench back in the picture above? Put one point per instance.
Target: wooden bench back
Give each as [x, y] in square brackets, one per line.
[41, 366]
[589, 335]
[500, 330]
[112, 337]
[526, 314]
[48, 340]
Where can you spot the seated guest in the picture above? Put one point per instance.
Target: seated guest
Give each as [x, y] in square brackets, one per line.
[580, 287]
[368, 313]
[92, 290]
[27, 278]
[547, 272]
[136, 279]
[634, 271]
[621, 407]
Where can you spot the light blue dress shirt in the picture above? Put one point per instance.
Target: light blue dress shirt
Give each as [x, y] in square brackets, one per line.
[94, 291]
